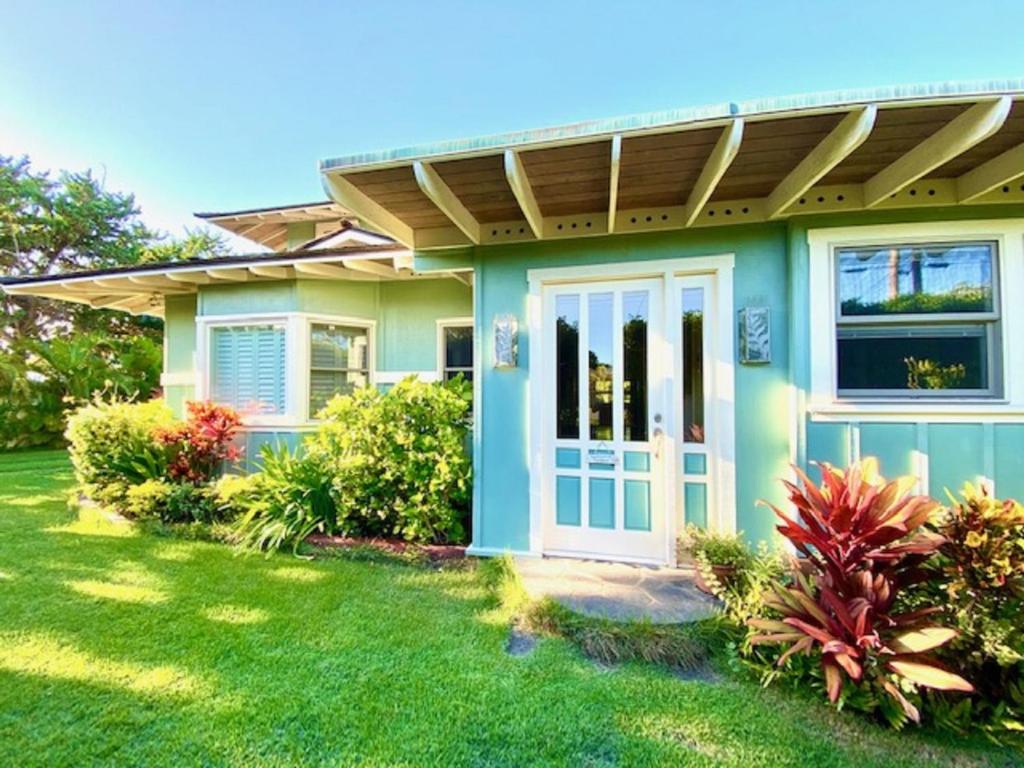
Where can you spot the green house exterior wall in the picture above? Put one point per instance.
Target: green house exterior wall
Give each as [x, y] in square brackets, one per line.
[762, 431]
[771, 269]
[773, 426]
[179, 349]
[405, 314]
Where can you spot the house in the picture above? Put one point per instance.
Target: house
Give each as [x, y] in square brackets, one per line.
[659, 313]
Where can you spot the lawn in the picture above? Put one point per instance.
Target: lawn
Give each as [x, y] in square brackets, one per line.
[124, 648]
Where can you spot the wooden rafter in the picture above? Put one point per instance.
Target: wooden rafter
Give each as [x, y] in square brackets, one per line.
[347, 194]
[515, 173]
[232, 274]
[991, 175]
[851, 132]
[466, 278]
[275, 273]
[318, 269]
[433, 186]
[613, 181]
[718, 163]
[153, 281]
[191, 278]
[371, 267]
[956, 137]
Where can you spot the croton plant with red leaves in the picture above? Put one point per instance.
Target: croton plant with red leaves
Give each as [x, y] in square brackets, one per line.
[202, 443]
[863, 542]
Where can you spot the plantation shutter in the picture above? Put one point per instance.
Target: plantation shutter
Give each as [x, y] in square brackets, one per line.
[248, 368]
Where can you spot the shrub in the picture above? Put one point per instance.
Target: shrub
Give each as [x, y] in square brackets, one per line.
[112, 447]
[398, 460]
[864, 544]
[199, 446]
[290, 498]
[147, 500]
[979, 580]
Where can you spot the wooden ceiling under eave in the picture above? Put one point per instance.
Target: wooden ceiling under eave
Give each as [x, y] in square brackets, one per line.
[724, 170]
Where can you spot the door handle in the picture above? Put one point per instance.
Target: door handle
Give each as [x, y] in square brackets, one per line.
[658, 434]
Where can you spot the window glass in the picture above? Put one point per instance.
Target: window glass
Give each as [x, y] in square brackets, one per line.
[567, 374]
[458, 352]
[917, 279]
[634, 365]
[937, 358]
[918, 320]
[600, 325]
[339, 362]
[693, 365]
[247, 368]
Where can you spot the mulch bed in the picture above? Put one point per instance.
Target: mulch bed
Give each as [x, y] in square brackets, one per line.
[434, 552]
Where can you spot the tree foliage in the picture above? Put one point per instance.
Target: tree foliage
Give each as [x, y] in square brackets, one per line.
[55, 353]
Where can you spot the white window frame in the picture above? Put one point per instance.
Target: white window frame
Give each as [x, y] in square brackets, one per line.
[298, 333]
[452, 322]
[824, 402]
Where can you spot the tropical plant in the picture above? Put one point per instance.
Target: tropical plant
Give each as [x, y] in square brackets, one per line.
[864, 543]
[398, 460]
[978, 578]
[287, 500]
[112, 448]
[200, 446]
[44, 380]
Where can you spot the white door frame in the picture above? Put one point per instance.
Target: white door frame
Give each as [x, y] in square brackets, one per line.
[720, 402]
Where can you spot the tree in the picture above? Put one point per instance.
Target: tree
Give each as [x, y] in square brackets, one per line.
[54, 354]
[72, 223]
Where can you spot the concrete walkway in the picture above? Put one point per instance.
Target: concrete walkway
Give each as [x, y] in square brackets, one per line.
[617, 591]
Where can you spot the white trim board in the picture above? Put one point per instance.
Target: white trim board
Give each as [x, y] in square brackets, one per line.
[824, 404]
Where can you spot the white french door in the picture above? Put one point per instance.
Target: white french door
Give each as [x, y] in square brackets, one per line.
[604, 420]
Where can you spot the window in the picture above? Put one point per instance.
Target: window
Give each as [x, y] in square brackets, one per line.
[917, 320]
[693, 365]
[457, 352]
[248, 368]
[339, 362]
[567, 374]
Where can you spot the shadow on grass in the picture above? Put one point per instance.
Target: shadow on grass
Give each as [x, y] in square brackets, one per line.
[158, 651]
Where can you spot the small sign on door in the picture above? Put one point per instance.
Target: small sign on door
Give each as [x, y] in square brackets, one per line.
[602, 456]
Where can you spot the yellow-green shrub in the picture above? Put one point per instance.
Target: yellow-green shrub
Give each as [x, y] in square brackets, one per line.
[112, 447]
[398, 460]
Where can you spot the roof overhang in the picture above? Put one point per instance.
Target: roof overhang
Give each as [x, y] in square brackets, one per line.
[756, 161]
[269, 226]
[141, 289]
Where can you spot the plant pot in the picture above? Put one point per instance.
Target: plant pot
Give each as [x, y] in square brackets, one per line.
[724, 574]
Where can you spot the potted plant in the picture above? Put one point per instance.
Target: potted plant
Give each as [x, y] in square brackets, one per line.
[716, 556]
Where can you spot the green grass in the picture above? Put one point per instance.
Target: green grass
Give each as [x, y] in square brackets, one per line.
[118, 647]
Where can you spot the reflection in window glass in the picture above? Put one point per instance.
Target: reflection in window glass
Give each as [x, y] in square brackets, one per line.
[458, 352]
[600, 324]
[913, 359]
[917, 279]
[339, 363]
[693, 365]
[634, 365]
[917, 320]
[567, 374]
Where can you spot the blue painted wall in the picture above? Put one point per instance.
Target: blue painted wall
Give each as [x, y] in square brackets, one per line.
[762, 449]
[952, 453]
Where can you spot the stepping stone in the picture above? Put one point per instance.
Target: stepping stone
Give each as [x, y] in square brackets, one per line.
[617, 591]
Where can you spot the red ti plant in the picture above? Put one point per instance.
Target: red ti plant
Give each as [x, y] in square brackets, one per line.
[863, 542]
[201, 444]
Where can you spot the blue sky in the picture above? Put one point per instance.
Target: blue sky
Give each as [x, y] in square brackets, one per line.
[224, 105]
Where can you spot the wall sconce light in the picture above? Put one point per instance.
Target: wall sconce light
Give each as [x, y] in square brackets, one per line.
[506, 341]
[755, 335]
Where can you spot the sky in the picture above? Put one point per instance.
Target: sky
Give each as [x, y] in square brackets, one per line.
[215, 106]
